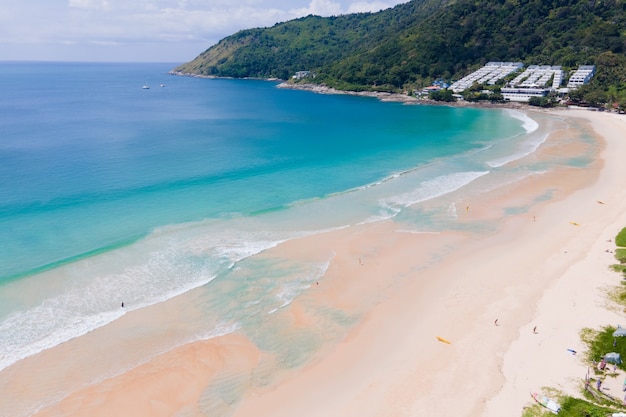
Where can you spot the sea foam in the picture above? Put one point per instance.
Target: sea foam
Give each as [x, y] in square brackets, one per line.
[176, 267]
[525, 148]
[291, 289]
[528, 124]
[177, 261]
[432, 188]
[528, 144]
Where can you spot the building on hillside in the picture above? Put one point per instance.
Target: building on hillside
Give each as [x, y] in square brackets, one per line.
[302, 74]
[539, 76]
[490, 74]
[437, 85]
[522, 94]
[535, 81]
[441, 84]
[582, 76]
[425, 92]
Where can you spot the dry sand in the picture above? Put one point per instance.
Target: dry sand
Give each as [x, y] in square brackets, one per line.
[538, 270]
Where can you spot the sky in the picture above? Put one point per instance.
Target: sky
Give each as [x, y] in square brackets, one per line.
[173, 31]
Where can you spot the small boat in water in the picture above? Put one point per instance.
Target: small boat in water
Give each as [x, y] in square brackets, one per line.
[146, 87]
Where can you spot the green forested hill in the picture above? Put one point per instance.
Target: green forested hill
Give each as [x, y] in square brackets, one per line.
[309, 43]
[415, 42]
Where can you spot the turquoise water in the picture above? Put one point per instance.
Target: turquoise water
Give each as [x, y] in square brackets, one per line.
[110, 192]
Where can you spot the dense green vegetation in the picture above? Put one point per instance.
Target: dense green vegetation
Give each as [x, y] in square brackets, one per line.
[620, 255]
[601, 342]
[620, 239]
[413, 43]
[571, 407]
[576, 407]
[310, 43]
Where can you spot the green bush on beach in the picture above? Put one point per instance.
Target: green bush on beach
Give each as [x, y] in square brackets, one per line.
[619, 295]
[602, 342]
[570, 407]
[620, 255]
[620, 268]
[576, 407]
[620, 239]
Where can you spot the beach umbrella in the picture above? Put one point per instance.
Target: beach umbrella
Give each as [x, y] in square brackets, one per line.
[613, 357]
[620, 332]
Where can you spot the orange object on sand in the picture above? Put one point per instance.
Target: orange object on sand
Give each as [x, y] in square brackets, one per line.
[441, 339]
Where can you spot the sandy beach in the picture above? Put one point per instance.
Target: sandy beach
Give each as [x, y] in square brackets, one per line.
[539, 271]
[545, 268]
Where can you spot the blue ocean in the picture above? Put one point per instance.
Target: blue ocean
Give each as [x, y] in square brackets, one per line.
[114, 192]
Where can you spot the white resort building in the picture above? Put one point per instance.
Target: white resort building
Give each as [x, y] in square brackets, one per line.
[522, 94]
[301, 74]
[489, 74]
[535, 81]
[581, 76]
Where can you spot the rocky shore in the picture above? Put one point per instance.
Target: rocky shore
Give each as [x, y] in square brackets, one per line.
[382, 96]
[399, 97]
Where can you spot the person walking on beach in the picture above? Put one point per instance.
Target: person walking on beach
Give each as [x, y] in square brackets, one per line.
[598, 384]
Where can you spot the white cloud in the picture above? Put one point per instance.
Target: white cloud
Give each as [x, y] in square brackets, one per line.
[173, 25]
[330, 8]
[89, 4]
[320, 8]
[364, 6]
[179, 23]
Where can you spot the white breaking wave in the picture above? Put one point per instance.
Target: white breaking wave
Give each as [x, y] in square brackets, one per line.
[174, 266]
[290, 290]
[417, 232]
[529, 144]
[386, 213]
[432, 188]
[528, 124]
[82, 309]
[525, 148]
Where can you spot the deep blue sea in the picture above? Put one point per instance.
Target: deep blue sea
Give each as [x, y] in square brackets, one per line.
[112, 192]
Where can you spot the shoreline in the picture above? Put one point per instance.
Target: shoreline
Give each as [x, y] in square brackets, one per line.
[382, 96]
[403, 98]
[392, 362]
